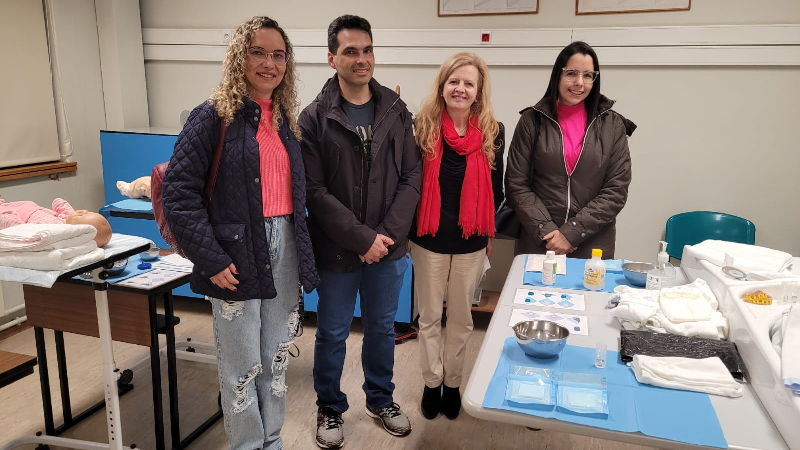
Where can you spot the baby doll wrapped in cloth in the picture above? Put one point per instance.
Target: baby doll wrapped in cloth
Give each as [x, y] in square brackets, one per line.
[33, 237]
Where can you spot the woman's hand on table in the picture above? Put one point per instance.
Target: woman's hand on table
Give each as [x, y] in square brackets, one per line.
[226, 278]
[559, 243]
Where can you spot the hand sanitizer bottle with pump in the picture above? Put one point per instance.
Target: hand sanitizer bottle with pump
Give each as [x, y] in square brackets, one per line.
[663, 275]
[549, 267]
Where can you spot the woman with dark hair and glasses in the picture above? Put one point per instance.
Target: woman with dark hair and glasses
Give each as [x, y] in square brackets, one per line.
[569, 167]
[250, 246]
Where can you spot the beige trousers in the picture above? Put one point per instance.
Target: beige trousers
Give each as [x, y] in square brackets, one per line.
[435, 274]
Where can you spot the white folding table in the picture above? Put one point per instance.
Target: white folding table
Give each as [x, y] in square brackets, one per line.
[745, 423]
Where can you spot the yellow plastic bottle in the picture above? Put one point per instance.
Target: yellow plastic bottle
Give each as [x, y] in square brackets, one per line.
[594, 273]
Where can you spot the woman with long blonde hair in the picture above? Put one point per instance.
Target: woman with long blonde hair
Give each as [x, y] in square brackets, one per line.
[451, 237]
[248, 242]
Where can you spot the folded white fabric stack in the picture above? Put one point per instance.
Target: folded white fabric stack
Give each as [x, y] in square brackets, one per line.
[48, 246]
[748, 258]
[707, 375]
[635, 307]
[688, 310]
[790, 350]
[38, 237]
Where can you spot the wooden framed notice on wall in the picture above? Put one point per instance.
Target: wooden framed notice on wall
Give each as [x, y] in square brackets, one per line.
[629, 6]
[450, 8]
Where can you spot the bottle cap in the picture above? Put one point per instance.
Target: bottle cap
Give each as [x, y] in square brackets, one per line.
[550, 253]
[597, 252]
[144, 266]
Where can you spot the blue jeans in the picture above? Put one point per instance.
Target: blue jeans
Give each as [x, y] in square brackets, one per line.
[379, 287]
[253, 339]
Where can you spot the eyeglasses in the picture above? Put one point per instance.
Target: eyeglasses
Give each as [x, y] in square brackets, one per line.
[588, 77]
[258, 55]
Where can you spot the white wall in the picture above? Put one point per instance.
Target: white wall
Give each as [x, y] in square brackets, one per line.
[306, 14]
[710, 137]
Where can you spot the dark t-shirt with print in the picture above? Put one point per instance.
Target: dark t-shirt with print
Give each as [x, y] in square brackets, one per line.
[362, 118]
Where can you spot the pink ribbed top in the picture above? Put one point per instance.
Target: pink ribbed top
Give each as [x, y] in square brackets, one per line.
[276, 172]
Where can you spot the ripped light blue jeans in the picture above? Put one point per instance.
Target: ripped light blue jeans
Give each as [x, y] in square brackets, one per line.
[253, 339]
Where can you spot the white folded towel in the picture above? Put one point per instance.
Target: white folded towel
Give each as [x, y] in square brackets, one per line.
[39, 237]
[686, 305]
[790, 350]
[714, 328]
[55, 259]
[748, 258]
[707, 375]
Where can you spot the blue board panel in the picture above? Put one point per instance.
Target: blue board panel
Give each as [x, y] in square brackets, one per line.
[137, 227]
[128, 156]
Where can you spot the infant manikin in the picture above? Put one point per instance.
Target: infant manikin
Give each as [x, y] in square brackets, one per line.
[18, 213]
[137, 188]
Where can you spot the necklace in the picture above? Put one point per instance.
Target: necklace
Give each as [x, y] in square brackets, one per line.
[462, 131]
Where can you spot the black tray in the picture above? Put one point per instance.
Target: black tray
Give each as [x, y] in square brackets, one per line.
[658, 344]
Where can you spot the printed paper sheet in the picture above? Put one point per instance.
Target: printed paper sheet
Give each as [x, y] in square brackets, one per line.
[550, 299]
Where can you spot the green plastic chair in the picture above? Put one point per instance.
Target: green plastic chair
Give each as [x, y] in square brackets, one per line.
[693, 227]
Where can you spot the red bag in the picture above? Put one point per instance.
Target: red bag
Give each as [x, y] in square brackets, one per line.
[157, 179]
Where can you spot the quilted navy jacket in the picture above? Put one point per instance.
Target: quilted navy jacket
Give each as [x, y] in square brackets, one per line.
[232, 230]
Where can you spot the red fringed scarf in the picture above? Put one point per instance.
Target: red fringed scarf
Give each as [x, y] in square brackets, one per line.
[476, 208]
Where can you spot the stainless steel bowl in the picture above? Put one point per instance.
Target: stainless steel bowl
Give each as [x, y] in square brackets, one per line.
[636, 272]
[541, 338]
[117, 267]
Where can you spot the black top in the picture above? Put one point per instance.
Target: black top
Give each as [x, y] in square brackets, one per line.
[448, 239]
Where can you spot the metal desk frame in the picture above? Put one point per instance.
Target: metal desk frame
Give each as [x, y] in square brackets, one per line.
[159, 324]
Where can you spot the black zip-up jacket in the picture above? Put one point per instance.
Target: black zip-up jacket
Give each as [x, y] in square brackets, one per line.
[342, 221]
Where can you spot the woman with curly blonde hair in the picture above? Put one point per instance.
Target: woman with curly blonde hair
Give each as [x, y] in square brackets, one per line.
[462, 178]
[249, 243]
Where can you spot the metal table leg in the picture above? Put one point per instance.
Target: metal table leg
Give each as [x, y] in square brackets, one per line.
[172, 371]
[155, 370]
[110, 371]
[62, 376]
[44, 380]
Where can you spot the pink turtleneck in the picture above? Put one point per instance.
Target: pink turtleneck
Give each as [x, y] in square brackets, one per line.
[572, 120]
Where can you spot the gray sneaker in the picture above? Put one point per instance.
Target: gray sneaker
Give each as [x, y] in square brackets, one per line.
[329, 428]
[394, 421]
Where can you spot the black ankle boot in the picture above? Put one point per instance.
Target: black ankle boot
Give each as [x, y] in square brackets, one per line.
[451, 402]
[431, 402]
